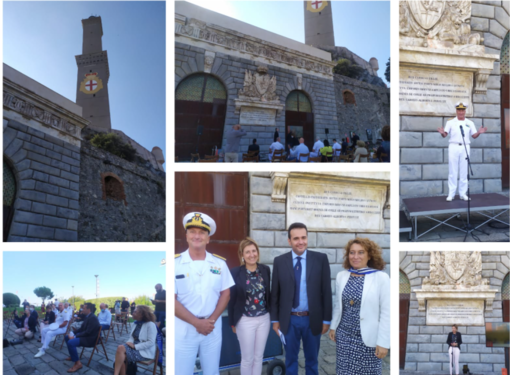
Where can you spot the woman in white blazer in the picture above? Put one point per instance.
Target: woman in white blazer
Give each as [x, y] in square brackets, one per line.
[141, 345]
[361, 314]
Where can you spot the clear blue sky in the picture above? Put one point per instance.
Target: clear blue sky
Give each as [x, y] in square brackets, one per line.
[361, 26]
[127, 274]
[41, 40]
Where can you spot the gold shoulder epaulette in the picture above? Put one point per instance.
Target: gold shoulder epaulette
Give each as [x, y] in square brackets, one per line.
[217, 256]
[177, 255]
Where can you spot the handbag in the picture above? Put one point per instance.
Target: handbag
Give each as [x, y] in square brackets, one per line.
[131, 369]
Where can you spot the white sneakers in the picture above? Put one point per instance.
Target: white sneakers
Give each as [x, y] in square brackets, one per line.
[40, 353]
[463, 197]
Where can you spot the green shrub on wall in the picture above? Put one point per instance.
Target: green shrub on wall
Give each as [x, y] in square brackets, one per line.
[112, 143]
[346, 68]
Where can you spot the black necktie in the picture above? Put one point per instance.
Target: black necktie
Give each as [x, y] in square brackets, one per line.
[297, 280]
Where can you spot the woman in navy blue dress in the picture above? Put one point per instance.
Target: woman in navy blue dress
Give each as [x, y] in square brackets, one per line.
[361, 316]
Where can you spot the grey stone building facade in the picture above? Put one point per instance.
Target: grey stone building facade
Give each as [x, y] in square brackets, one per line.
[424, 153]
[426, 349]
[209, 44]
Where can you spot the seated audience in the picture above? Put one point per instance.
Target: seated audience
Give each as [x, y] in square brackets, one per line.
[141, 345]
[48, 319]
[327, 149]
[384, 148]
[104, 317]
[254, 148]
[276, 145]
[295, 154]
[25, 330]
[124, 305]
[85, 336]
[360, 150]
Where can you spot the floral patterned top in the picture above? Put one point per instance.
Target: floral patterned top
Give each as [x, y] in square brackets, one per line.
[255, 294]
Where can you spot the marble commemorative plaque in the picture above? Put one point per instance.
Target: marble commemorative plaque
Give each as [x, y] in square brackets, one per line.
[434, 92]
[336, 206]
[455, 311]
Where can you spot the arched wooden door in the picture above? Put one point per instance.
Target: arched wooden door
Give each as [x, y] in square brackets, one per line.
[9, 194]
[200, 107]
[224, 197]
[405, 297]
[299, 117]
[505, 112]
[505, 301]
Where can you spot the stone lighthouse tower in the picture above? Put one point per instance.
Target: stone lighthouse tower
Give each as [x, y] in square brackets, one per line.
[93, 75]
[319, 23]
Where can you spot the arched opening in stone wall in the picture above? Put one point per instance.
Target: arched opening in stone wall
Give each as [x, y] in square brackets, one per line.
[299, 117]
[9, 193]
[505, 300]
[405, 298]
[200, 110]
[113, 187]
[505, 111]
[349, 97]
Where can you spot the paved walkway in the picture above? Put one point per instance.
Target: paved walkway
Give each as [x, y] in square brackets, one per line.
[327, 360]
[19, 359]
[494, 231]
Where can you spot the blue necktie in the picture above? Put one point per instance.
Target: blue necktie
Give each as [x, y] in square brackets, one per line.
[297, 280]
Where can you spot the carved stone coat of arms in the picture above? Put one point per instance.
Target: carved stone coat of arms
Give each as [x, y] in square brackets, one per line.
[455, 268]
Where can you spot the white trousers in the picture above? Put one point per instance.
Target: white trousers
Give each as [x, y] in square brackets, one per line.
[457, 167]
[47, 335]
[188, 342]
[252, 334]
[455, 359]
[314, 154]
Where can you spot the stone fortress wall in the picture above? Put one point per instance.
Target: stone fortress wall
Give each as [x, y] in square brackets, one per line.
[296, 66]
[424, 153]
[426, 345]
[268, 227]
[140, 217]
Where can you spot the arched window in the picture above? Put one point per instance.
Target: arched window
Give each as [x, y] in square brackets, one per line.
[504, 68]
[404, 284]
[200, 111]
[113, 187]
[297, 101]
[9, 194]
[505, 288]
[349, 97]
[201, 88]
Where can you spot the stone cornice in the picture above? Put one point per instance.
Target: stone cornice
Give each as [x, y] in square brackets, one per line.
[93, 59]
[33, 106]
[485, 294]
[233, 40]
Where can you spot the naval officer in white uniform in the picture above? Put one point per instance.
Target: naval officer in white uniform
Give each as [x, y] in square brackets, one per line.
[457, 162]
[62, 318]
[202, 292]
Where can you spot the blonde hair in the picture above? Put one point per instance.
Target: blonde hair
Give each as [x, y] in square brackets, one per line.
[243, 244]
[360, 143]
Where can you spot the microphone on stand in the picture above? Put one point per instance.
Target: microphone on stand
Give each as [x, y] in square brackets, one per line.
[462, 131]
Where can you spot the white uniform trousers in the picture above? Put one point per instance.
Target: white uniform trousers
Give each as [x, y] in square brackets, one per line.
[47, 335]
[457, 167]
[188, 342]
[454, 358]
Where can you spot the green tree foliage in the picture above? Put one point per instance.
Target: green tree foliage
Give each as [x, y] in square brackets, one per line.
[112, 143]
[11, 299]
[77, 301]
[346, 68]
[143, 300]
[110, 301]
[43, 292]
[387, 72]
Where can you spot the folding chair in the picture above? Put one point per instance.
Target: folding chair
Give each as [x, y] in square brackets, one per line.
[146, 364]
[305, 156]
[329, 156]
[215, 157]
[64, 334]
[336, 154]
[195, 157]
[277, 156]
[207, 160]
[122, 322]
[383, 155]
[110, 330]
[365, 156]
[250, 159]
[317, 159]
[99, 339]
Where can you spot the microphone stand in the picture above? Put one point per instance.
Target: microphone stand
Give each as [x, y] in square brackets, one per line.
[468, 228]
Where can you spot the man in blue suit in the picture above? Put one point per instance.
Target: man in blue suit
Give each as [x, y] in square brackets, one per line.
[301, 298]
